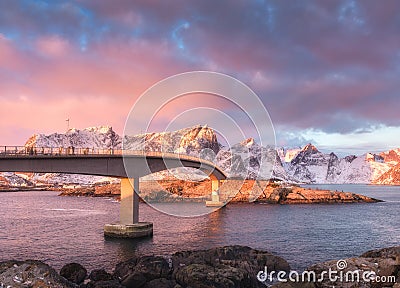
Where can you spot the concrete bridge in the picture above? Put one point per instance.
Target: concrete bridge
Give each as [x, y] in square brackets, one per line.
[125, 164]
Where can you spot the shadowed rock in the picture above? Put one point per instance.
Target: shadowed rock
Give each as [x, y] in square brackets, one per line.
[136, 272]
[384, 263]
[100, 275]
[74, 272]
[229, 266]
[21, 274]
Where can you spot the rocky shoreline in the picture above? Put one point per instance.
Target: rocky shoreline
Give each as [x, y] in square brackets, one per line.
[245, 191]
[21, 189]
[229, 266]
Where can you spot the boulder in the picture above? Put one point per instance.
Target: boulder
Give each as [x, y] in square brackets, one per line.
[219, 276]
[244, 257]
[74, 272]
[103, 284]
[136, 279]
[352, 264]
[162, 283]
[21, 274]
[138, 271]
[100, 275]
[232, 266]
[4, 266]
[229, 266]
[383, 262]
[391, 252]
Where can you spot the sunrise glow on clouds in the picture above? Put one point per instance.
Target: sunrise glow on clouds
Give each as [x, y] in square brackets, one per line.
[328, 72]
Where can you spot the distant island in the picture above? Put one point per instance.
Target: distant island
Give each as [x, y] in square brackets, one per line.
[234, 191]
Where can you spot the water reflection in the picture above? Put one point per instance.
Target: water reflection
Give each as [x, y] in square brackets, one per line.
[41, 225]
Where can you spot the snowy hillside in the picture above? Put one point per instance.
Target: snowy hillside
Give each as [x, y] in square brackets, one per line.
[244, 160]
[92, 137]
[312, 166]
[391, 177]
[190, 141]
[287, 155]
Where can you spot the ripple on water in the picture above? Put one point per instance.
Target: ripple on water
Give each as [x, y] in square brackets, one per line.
[41, 225]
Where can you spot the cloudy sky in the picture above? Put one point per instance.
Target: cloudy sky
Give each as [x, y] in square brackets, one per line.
[327, 71]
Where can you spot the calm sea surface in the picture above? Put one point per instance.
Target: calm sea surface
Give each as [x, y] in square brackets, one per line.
[59, 230]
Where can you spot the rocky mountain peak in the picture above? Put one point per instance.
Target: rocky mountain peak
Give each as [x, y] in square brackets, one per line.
[310, 148]
[100, 129]
[391, 177]
[248, 142]
[92, 137]
[246, 159]
[350, 158]
[371, 157]
[31, 141]
[198, 138]
[391, 155]
[190, 141]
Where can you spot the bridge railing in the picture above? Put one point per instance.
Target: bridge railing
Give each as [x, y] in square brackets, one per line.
[54, 151]
[18, 151]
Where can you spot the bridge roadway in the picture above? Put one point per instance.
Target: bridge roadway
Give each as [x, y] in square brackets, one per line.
[128, 165]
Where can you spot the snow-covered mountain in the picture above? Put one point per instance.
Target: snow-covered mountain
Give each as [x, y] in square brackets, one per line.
[14, 179]
[248, 159]
[312, 166]
[390, 177]
[92, 137]
[190, 141]
[287, 155]
[243, 160]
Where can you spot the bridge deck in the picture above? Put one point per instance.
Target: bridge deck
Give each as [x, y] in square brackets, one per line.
[41, 154]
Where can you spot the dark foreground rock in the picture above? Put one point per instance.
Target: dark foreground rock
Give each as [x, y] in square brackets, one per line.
[229, 266]
[100, 275]
[30, 273]
[137, 272]
[373, 269]
[74, 273]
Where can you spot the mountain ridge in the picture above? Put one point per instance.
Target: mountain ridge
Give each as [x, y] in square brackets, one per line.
[246, 159]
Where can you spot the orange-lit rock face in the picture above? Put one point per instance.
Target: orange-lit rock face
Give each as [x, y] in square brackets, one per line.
[238, 191]
[391, 177]
[244, 191]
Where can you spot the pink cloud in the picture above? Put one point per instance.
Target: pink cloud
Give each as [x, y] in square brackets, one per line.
[54, 46]
[41, 88]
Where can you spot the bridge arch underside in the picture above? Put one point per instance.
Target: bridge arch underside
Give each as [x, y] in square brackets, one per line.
[104, 166]
[115, 166]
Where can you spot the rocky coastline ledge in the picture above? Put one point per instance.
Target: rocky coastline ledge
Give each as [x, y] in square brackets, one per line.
[229, 266]
[181, 191]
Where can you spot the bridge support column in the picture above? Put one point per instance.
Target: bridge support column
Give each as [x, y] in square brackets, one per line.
[129, 226]
[215, 201]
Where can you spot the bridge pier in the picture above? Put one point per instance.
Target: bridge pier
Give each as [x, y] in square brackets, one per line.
[215, 200]
[129, 226]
